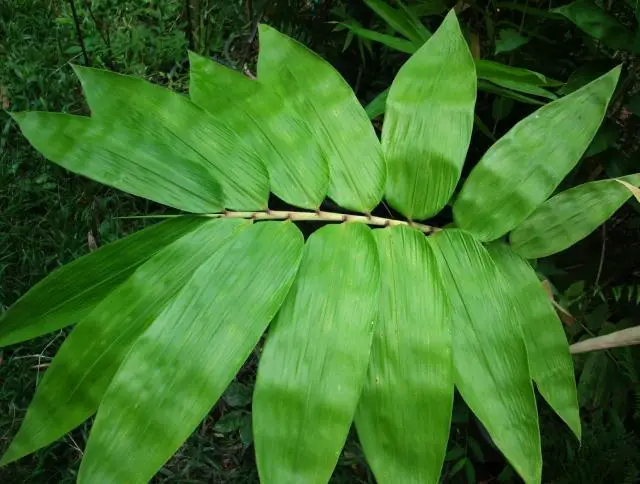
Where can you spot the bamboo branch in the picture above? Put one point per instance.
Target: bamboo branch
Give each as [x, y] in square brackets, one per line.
[319, 216]
[624, 337]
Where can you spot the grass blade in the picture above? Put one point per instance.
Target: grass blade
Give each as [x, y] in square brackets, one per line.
[526, 165]
[404, 412]
[298, 172]
[428, 123]
[395, 43]
[155, 114]
[82, 369]
[569, 217]
[180, 366]
[397, 20]
[550, 363]
[71, 292]
[315, 358]
[490, 364]
[320, 96]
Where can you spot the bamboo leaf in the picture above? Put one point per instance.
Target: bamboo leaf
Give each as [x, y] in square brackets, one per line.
[550, 363]
[298, 172]
[71, 292]
[428, 124]
[315, 359]
[156, 115]
[508, 93]
[180, 366]
[593, 20]
[378, 105]
[497, 72]
[395, 43]
[527, 164]
[509, 40]
[338, 122]
[80, 373]
[404, 412]
[124, 158]
[569, 217]
[490, 364]
[397, 20]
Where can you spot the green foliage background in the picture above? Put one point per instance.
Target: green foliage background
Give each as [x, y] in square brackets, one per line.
[49, 217]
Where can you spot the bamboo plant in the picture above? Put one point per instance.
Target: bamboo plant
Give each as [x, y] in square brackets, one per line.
[370, 320]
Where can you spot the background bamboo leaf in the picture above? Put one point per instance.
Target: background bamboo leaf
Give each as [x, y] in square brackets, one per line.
[501, 91]
[398, 20]
[497, 72]
[428, 123]
[180, 366]
[404, 412]
[317, 92]
[569, 217]
[123, 158]
[550, 363]
[396, 43]
[298, 171]
[154, 114]
[593, 20]
[490, 364]
[82, 369]
[68, 294]
[377, 106]
[508, 40]
[315, 359]
[527, 164]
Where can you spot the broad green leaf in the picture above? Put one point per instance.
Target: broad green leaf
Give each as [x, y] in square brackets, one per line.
[569, 217]
[82, 369]
[396, 43]
[490, 364]
[593, 20]
[315, 359]
[298, 172]
[508, 40]
[182, 363]
[550, 363]
[321, 97]
[404, 413]
[398, 20]
[153, 114]
[71, 292]
[124, 158]
[428, 123]
[526, 165]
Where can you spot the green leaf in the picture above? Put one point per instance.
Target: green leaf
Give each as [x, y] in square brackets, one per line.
[526, 165]
[569, 217]
[489, 357]
[550, 363]
[509, 94]
[298, 172]
[315, 359]
[593, 20]
[156, 115]
[428, 124]
[378, 105]
[584, 74]
[508, 40]
[231, 421]
[321, 97]
[501, 108]
[405, 409]
[237, 394]
[125, 158]
[182, 363]
[71, 292]
[79, 375]
[395, 43]
[398, 20]
[607, 135]
[497, 72]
